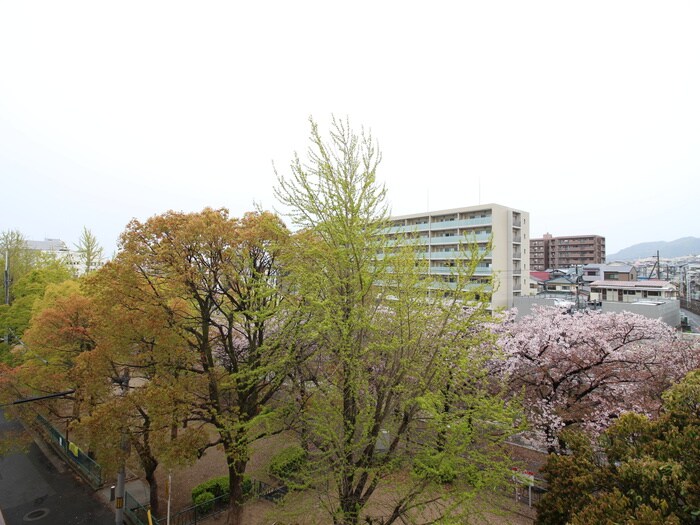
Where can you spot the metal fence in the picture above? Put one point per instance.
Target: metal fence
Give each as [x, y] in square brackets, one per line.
[137, 514]
[88, 468]
[691, 305]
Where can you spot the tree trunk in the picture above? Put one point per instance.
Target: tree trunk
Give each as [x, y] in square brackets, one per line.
[350, 512]
[153, 488]
[235, 476]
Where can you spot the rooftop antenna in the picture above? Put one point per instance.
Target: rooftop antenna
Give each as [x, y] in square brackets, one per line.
[479, 191]
[427, 200]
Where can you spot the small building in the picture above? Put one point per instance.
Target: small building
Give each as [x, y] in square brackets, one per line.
[631, 291]
[564, 284]
[59, 250]
[537, 280]
[609, 272]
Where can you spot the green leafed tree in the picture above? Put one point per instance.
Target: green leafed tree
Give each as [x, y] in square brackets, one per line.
[16, 259]
[393, 395]
[652, 472]
[89, 251]
[28, 292]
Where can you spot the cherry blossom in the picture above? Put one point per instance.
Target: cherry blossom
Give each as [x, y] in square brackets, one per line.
[586, 368]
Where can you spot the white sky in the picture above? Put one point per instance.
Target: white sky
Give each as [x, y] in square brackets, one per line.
[585, 114]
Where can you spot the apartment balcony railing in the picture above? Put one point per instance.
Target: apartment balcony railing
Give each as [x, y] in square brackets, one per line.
[463, 255]
[460, 239]
[443, 225]
[442, 285]
[450, 270]
[456, 254]
[424, 240]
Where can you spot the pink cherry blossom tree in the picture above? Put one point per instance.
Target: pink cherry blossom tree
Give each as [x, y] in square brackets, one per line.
[586, 368]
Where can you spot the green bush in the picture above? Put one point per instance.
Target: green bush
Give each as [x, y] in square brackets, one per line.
[204, 502]
[287, 463]
[217, 486]
[247, 485]
[220, 486]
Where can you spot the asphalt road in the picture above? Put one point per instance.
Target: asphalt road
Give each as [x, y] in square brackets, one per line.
[32, 490]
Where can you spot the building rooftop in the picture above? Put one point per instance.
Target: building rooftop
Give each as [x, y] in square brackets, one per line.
[48, 245]
[656, 284]
[540, 276]
[454, 210]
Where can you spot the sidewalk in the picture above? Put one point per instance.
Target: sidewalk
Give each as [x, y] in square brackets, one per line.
[134, 486]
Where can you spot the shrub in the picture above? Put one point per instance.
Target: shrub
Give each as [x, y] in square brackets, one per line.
[217, 486]
[204, 501]
[247, 485]
[220, 486]
[287, 463]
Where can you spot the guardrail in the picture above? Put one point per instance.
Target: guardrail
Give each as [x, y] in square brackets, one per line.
[87, 467]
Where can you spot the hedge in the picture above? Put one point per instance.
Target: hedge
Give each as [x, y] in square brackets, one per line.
[204, 501]
[220, 486]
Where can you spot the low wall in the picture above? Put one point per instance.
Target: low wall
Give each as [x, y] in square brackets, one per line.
[668, 310]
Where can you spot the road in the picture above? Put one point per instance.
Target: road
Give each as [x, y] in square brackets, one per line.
[33, 490]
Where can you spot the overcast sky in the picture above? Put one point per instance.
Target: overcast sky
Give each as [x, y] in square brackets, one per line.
[584, 114]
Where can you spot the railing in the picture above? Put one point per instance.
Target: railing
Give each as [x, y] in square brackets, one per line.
[449, 270]
[443, 225]
[458, 239]
[137, 513]
[455, 254]
[88, 468]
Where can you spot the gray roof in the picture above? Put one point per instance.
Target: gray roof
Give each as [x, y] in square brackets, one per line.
[624, 268]
[48, 245]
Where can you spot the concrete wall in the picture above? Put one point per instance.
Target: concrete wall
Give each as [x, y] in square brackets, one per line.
[669, 311]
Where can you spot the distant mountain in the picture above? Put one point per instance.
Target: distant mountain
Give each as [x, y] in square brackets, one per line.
[677, 248]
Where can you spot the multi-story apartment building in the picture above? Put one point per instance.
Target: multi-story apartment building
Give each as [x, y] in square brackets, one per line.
[563, 252]
[441, 236]
[539, 257]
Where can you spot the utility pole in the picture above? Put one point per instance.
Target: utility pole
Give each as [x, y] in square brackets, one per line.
[123, 381]
[7, 289]
[7, 276]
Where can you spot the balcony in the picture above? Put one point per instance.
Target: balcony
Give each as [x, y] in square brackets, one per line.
[459, 239]
[455, 254]
[453, 270]
[444, 225]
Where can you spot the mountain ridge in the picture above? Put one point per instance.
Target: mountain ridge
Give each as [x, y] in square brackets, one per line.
[667, 249]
